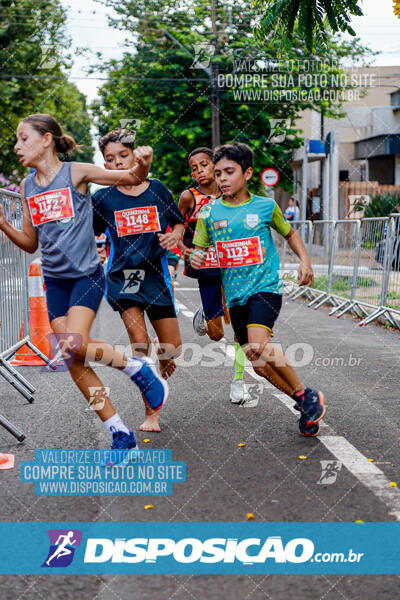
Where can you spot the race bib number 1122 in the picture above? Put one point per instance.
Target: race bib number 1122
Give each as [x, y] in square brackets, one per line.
[55, 205]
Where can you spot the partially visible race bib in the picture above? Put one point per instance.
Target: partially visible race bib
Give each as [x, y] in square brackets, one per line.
[199, 203]
[55, 205]
[137, 220]
[101, 240]
[239, 253]
[211, 259]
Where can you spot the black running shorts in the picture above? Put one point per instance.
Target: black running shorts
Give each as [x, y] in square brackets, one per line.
[262, 309]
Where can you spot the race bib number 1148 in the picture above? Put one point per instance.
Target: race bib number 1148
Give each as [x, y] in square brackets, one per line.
[137, 220]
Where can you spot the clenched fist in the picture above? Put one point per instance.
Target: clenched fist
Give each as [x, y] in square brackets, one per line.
[144, 155]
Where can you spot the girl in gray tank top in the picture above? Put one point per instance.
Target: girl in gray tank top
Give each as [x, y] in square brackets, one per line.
[57, 214]
[67, 245]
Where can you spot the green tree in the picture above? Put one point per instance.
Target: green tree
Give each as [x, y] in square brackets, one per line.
[381, 205]
[311, 19]
[69, 107]
[159, 86]
[34, 61]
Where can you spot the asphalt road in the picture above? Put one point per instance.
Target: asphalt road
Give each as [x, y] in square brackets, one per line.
[356, 368]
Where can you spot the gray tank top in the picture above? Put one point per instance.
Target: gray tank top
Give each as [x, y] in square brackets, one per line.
[64, 221]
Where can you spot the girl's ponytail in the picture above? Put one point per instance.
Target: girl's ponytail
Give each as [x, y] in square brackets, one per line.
[43, 123]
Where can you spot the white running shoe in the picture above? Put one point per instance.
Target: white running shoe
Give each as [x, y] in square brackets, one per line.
[240, 395]
[199, 322]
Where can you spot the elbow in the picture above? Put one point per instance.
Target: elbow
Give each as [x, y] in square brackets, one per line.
[290, 235]
[32, 248]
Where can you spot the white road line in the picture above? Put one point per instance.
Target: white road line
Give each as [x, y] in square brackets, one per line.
[288, 402]
[366, 472]
[356, 463]
[184, 310]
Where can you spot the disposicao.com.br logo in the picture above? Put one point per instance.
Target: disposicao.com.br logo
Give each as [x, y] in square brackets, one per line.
[247, 551]
[62, 547]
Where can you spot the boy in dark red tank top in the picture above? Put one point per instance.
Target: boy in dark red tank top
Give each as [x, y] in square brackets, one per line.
[208, 317]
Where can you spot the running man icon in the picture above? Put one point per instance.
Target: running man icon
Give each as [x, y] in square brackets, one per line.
[62, 542]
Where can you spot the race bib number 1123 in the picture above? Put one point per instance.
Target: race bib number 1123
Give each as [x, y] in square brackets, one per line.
[239, 253]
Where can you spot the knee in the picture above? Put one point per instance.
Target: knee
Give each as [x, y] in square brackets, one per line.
[73, 347]
[254, 353]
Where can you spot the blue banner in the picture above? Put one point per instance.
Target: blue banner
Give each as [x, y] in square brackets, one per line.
[200, 548]
[77, 472]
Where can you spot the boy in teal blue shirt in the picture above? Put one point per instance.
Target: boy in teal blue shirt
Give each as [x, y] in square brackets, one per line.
[239, 225]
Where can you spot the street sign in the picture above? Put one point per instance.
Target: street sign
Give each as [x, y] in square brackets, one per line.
[270, 177]
[316, 147]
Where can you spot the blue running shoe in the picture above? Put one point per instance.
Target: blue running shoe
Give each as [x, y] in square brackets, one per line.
[305, 431]
[123, 447]
[311, 405]
[153, 387]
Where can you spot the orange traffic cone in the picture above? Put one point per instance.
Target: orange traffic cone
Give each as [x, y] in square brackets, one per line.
[39, 321]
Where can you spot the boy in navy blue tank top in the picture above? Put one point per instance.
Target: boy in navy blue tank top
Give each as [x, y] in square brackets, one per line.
[135, 218]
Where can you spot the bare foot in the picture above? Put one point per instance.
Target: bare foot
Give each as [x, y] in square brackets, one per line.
[167, 367]
[151, 423]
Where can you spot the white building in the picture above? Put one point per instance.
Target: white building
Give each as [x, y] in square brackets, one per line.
[367, 141]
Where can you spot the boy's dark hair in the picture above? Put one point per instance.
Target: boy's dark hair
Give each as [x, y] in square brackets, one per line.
[236, 151]
[125, 136]
[201, 150]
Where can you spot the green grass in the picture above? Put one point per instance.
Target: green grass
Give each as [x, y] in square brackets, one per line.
[367, 282]
[341, 284]
[394, 295]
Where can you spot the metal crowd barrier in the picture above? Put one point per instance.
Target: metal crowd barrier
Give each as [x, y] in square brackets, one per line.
[289, 260]
[387, 257]
[14, 311]
[392, 288]
[356, 266]
[345, 260]
[318, 239]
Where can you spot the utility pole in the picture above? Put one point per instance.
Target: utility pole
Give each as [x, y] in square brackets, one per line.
[212, 73]
[215, 127]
